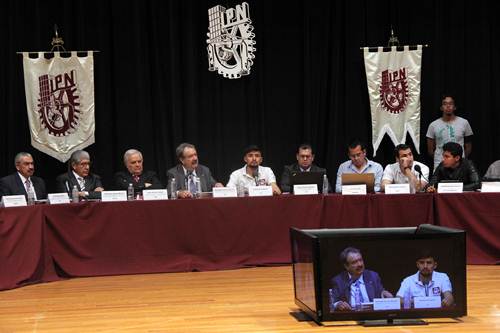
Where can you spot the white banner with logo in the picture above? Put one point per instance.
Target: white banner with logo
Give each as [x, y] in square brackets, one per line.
[60, 102]
[393, 80]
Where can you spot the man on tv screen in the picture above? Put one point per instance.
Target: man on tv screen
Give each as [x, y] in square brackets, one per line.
[426, 282]
[356, 285]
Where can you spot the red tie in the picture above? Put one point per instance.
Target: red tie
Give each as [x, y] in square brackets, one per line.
[136, 178]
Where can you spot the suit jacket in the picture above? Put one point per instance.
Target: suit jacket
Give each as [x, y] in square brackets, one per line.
[207, 182]
[66, 181]
[341, 287]
[292, 169]
[123, 178]
[13, 185]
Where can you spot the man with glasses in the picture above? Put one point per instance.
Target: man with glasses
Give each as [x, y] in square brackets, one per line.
[358, 163]
[448, 128]
[88, 184]
[305, 159]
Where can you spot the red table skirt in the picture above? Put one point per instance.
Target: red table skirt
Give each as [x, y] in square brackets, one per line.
[50, 242]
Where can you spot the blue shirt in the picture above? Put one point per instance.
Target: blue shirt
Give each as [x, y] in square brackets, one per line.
[370, 167]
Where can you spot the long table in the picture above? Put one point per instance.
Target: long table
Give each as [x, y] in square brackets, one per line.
[51, 242]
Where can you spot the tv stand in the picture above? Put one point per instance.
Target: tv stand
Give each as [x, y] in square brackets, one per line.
[393, 322]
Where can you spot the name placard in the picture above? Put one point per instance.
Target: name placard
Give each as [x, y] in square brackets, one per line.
[427, 302]
[490, 187]
[58, 198]
[450, 187]
[110, 196]
[353, 189]
[224, 192]
[305, 189]
[397, 189]
[260, 191]
[160, 194]
[14, 200]
[393, 303]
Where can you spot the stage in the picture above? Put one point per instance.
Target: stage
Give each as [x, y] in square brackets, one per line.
[243, 300]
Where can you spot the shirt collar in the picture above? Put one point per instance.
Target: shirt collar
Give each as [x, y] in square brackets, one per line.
[77, 175]
[186, 171]
[23, 179]
[367, 165]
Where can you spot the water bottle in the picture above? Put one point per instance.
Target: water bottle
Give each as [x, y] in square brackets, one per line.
[357, 297]
[173, 189]
[325, 185]
[31, 198]
[74, 195]
[198, 187]
[130, 192]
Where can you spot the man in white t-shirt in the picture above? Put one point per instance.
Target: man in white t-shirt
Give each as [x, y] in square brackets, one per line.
[448, 128]
[405, 170]
[252, 173]
[426, 282]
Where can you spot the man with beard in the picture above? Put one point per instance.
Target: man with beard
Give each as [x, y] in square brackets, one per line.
[252, 173]
[427, 281]
[355, 285]
[185, 172]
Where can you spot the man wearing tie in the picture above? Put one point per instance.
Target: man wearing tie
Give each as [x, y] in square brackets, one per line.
[252, 173]
[88, 184]
[305, 159]
[356, 284]
[135, 175]
[23, 182]
[185, 172]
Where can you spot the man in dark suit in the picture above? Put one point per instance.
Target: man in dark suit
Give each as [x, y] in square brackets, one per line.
[187, 169]
[23, 181]
[305, 159]
[88, 184]
[356, 284]
[135, 175]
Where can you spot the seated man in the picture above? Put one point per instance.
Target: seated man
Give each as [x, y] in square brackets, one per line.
[88, 184]
[455, 167]
[22, 181]
[135, 175]
[356, 284]
[426, 282]
[403, 171]
[305, 159]
[252, 173]
[187, 169]
[493, 172]
[358, 163]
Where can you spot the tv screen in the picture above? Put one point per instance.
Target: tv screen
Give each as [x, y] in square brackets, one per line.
[379, 273]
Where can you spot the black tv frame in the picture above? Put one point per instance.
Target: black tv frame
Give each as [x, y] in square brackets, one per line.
[317, 306]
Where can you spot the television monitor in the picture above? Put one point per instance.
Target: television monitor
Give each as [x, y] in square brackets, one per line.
[392, 253]
[312, 177]
[359, 179]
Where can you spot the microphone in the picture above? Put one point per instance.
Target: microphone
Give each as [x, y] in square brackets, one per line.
[255, 174]
[419, 170]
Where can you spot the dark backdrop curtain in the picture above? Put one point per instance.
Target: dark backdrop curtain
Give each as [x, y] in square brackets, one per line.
[153, 89]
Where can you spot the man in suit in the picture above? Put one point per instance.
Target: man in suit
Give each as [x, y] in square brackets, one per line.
[22, 181]
[187, 169]
[305, 159]
[88, 184]
[135, 174]
[356, 284]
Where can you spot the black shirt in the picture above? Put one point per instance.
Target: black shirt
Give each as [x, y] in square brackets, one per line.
[465, 172]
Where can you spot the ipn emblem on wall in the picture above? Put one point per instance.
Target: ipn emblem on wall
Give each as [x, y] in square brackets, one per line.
[230, 41]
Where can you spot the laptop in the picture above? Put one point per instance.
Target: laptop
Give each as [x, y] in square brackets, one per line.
[360, 178]
[312, 177]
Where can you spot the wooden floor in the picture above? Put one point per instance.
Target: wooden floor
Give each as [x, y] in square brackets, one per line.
[245, 300]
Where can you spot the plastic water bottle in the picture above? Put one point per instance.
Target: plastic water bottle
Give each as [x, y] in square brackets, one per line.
[173, 189]
[74, 195]
[130, 192]
[357, 297]
[198, 187]
[31, 198]
[325, 185]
